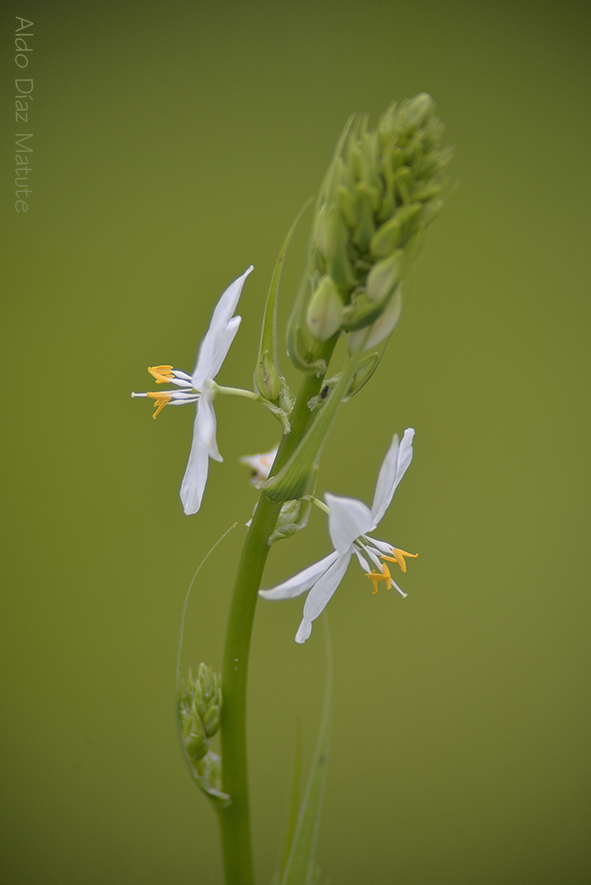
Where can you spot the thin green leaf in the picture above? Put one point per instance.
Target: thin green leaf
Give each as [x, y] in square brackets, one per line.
[269, 328]
[300, 869]
[294, 803]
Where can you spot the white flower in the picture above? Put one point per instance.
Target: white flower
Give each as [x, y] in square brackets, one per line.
[260, 465]
[198, 388]
[349, 522]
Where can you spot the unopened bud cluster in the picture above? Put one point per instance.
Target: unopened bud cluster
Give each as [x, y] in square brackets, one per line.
[381, 192]
[200, 706]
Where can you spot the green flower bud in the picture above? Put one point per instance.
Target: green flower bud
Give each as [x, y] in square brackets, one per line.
[194, 738]
[325, 310]
[415, 112]
[386, 238]
[338, 264]
[381, 328]
[431, 211]
[385, 276]
[268, 380]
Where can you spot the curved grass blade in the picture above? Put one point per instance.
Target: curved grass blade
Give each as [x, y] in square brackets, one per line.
[299, 869]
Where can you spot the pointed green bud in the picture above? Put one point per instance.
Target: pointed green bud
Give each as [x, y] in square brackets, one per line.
[382, 327]
[407, 214]
[268, 381]
[385, 276]
[366, 198]
[386, 238]
[338, 264]
[431, 211]
[325, 310]
[208, 698]
[415, 112]
[194, 738]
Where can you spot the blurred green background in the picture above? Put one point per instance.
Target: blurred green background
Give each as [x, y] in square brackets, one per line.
[173, 145]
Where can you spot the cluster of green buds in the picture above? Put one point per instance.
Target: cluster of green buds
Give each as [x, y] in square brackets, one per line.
[200, 707]
[381, 192]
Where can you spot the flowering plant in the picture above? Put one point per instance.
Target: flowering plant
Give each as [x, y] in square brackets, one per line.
[381, 192]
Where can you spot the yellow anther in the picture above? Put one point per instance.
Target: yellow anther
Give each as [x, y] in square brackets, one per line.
[399, 557]
[162, 374]
[375, 577]
[161, 400]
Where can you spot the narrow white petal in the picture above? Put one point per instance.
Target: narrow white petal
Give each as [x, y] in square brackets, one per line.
[217, 340]
[195, 478]
[347, 520]
[394, 466]
[205, 424]
[320, 595]
[304, 631]
[300, 582]
[214, 352]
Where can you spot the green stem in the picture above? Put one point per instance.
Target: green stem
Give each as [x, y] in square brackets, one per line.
[248, 394]
[235, 819]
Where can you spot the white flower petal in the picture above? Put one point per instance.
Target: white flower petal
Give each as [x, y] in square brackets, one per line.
[394, 466]
[320, 595]
[228, 302]
[205, 424]
[195, 478]
[347, 520]
[214, 351]
[221, 332]
[302, 581]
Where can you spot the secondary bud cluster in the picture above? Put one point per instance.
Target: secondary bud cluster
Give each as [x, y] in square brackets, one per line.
[200, 706]
[381, 192]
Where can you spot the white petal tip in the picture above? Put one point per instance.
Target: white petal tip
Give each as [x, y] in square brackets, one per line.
[304, 631]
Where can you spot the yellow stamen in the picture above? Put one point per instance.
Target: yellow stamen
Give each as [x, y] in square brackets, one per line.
[161, 401]
[375, 577]
[162, 374]
[399, 557]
